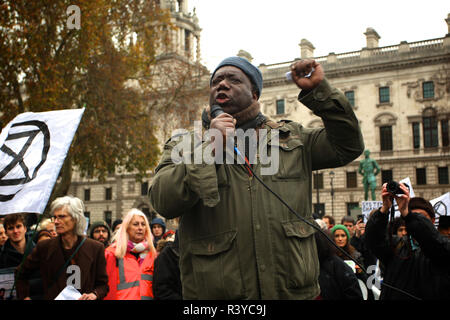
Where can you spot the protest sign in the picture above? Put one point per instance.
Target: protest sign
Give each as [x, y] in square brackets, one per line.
[368, 206]
[7, 284]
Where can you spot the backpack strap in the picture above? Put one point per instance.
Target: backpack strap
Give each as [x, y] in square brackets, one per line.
[67, 263]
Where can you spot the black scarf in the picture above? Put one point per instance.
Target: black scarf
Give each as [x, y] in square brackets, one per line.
[250, 117]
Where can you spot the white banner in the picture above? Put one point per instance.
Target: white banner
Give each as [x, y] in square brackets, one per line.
[33, 147]
[441, 206]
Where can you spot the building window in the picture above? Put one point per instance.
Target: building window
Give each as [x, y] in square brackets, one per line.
[108, 193]
[280, 106]
[384, 94]
[385, 138]
[428, 89]
[178, 5]
[445, 133]
[416, 135]
[351, 206]
[443, 175]
[87, 194]
[131, 186]
[386, 176]
[421, 175]
[108, 217]
[319, 209]
[187, 37]
[430, 132]
[351, 179]
[144, 188]
[318, 180]
[351, 97]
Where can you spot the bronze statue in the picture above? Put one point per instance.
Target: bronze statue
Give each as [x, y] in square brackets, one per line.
[369, 169]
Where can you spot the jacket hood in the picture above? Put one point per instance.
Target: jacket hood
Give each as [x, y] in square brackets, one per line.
[98, 224]
[159, 221]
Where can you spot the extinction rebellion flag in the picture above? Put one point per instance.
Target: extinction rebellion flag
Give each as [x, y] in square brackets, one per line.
[33, 147]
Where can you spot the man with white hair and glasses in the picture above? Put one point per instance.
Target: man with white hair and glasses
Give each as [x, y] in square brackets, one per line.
[69, 259]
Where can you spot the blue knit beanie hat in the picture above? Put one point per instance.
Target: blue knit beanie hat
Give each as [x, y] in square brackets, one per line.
[249, 69]
[160, 222]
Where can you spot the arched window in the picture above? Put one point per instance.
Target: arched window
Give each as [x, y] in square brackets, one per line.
[385, 123]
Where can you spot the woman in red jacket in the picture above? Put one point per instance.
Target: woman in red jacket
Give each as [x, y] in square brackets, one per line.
[129, 260]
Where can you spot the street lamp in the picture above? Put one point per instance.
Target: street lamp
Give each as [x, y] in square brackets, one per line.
[316, 180]
[332, 193]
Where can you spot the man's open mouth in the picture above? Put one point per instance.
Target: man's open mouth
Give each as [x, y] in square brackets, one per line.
[222, 97]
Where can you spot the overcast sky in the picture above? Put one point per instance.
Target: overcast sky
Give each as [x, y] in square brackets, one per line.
[271, 30]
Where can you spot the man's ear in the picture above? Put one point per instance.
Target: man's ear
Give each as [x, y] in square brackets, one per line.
[255, 95]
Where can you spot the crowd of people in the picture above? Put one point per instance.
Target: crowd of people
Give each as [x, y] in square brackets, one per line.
[411, 254]
[113, 263]
[236, 240]
[134, 259]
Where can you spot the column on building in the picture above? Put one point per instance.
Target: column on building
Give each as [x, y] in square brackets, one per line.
[306, 49]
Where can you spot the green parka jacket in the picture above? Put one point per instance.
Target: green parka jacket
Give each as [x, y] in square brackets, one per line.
[237, 241]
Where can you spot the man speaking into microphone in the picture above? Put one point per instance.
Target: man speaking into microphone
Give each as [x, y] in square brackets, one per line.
[237, 240]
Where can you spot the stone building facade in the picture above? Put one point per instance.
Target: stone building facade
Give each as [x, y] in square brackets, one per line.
[400, 94]
[111, 199]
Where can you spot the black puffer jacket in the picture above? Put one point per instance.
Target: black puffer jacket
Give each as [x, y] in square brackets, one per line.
[336, 279]
[166, 274]
[423, 272]
[361, 245]
[10, 257]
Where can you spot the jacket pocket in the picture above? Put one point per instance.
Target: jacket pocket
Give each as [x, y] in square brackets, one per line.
[302, 261]
[291, 166]
[215, 261]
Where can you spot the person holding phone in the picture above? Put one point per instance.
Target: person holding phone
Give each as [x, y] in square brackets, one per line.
[422, 271]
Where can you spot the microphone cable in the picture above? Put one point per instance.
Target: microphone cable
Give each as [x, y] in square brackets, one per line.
[217, 110]
[247, 165]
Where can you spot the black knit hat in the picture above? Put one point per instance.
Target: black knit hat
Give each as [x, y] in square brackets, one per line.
[444, 222]
[421, 203]
[97, 224]
[249, 69]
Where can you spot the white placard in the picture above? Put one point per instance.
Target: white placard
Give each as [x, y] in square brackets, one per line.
[368, 206]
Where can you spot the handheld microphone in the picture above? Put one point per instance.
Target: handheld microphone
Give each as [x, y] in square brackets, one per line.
[215, 111]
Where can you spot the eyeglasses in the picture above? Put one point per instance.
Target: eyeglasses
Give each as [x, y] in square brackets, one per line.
[59, 217]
